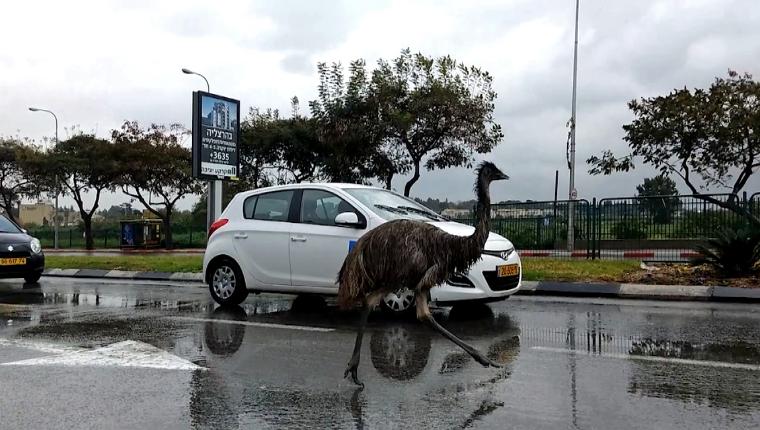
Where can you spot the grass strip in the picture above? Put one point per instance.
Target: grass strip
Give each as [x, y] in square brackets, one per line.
[140, 263]
[534, 269]
[545, 269]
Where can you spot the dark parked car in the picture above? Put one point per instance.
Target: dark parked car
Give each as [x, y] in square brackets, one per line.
[20, 254]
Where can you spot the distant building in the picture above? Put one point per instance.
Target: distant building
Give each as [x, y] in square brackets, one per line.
[457, 213]
[40, 213]
[219, 116]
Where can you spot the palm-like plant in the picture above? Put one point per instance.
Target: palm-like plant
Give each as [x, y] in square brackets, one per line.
[733, 252]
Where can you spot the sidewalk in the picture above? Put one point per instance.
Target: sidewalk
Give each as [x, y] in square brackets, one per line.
[547, 288]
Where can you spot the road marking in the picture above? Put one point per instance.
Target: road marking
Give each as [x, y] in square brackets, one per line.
[257, 324]
[708, 363]
[48, 348]
[129, 353]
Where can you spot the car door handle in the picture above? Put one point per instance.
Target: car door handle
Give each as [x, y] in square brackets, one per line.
[297, 239]
[240, 236]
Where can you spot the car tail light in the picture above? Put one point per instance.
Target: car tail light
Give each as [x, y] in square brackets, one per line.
[216, 225]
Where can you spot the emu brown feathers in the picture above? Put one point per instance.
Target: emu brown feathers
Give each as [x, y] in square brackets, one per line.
[415, 255]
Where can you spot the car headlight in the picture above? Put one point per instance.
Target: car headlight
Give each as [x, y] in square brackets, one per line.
[36, 246]
[504, 254]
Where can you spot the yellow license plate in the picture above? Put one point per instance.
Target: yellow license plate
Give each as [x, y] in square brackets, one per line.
[12, 261]
[507, 270]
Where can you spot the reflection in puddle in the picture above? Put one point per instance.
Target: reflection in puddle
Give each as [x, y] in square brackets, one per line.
[735, 389]
[678, 369]
[398, 353]
[309, 392]
[730, 352]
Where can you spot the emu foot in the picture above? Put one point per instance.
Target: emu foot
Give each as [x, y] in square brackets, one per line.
[485, 361]
[353, 369]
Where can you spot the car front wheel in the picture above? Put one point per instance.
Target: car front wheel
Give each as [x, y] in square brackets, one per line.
[399, 301]
[226, 283]
[32, 278]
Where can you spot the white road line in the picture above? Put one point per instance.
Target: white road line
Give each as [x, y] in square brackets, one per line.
[48, 348]
[128, 353]
[708, 363]
[257, 324]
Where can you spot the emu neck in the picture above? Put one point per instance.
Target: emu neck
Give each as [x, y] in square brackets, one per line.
[482, 215]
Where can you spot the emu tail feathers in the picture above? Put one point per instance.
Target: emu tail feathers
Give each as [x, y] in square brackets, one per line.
[353, 280]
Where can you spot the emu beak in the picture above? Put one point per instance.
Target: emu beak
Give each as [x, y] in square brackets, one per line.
[503, 176]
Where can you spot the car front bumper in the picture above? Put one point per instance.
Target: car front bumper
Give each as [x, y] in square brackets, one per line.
[483, 286]
[34, 263]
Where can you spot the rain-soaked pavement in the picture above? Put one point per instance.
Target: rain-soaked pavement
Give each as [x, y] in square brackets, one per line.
[77, 353]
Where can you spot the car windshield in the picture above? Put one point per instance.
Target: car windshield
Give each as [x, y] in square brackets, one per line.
[6, 226]
[389, 205]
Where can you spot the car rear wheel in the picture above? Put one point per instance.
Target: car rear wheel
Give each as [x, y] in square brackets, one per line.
[226, 283]
[400, 301]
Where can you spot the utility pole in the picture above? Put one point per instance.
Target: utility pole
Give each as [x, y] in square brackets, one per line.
[572, 193]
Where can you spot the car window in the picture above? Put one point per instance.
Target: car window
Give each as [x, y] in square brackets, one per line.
[273, 206]
[321, 207]
[248, 206]
[6, 226]
[389, 205]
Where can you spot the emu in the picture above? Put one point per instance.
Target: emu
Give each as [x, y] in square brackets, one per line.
[416, 255]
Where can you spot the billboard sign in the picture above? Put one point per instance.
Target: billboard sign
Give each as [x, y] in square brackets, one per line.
[216, 134]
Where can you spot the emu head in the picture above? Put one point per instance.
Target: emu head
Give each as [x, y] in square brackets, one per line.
[488, 172]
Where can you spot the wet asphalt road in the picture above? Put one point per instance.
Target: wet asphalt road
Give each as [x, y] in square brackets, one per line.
[86, 354]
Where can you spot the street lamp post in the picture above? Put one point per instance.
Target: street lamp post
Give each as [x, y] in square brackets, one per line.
[572, 192]
[214, 202]
[55, 216]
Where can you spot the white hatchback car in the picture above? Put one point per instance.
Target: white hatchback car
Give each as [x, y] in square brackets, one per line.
[294, 238]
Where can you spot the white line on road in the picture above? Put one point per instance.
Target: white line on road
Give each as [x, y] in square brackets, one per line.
[708, 363]
[129, 353]
[257, 324]
[48, 348]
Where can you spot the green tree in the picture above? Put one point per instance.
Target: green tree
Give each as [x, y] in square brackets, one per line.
[659, 198]
[15, 182]
[155, 169]
[83, 167]
[349, 131]
[280, 150]
[434, 109]
[711, 135]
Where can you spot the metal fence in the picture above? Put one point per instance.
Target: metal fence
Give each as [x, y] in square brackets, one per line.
[73, 237]
[659, 228]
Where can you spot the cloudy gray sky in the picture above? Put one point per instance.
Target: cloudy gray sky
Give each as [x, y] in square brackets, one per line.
[98, 63]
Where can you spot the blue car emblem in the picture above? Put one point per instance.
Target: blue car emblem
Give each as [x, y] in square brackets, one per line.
[351, 244]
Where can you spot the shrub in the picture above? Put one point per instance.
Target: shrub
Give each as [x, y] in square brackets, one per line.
[734, 252]
[629, 229]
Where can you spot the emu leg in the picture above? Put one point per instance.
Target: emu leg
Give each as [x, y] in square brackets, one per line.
[423, 313]
[353, 364]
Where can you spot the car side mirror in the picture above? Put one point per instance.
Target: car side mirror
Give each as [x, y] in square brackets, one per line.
[348, 219]
[23, 230]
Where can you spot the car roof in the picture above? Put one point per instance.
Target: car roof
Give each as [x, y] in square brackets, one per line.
[339, 185]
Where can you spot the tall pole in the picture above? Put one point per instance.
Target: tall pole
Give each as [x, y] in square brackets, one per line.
[572, 193]
[214, 201]
[55, 216]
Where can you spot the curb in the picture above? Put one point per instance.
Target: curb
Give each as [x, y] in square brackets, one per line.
[545, 288]
[641, 291]
[125, 274]
[117, 251]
